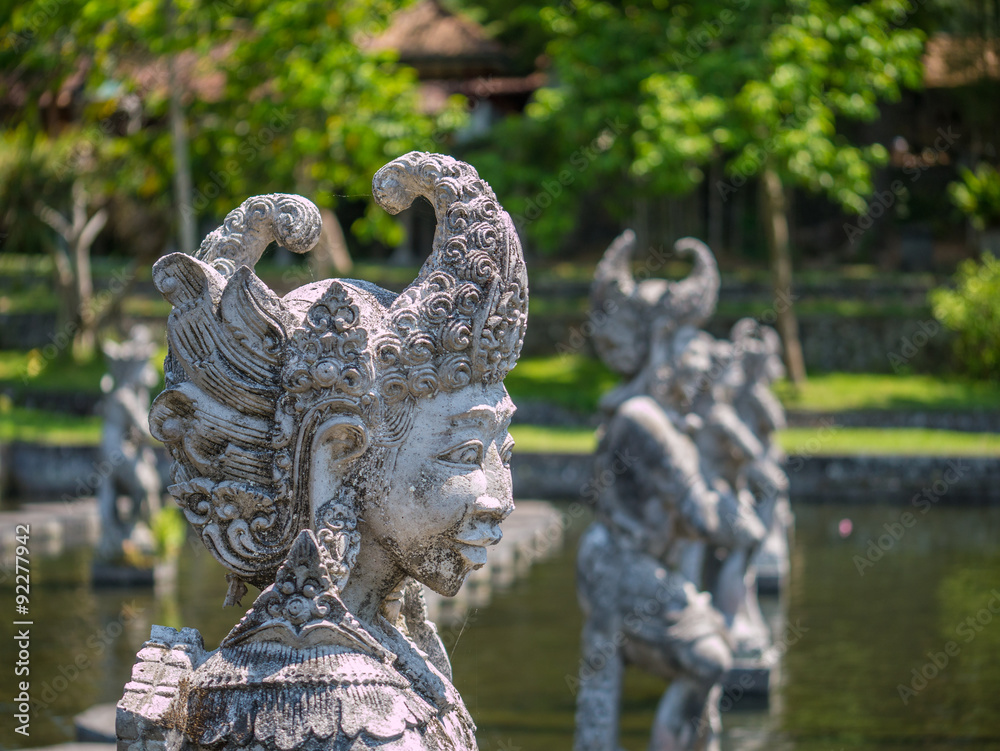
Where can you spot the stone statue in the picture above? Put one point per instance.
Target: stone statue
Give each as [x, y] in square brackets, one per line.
[760, 365]
[639, 564]
[126, 452]
[336, 448]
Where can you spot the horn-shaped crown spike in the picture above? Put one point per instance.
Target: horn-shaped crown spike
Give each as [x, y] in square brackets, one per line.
[472, 292]
[291, 220]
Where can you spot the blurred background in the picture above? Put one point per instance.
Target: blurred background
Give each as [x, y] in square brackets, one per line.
[839, 158]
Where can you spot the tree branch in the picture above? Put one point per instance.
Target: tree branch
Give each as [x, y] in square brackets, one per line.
[54, 219]
[92, 228]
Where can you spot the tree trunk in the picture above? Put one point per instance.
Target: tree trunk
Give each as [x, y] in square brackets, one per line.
[187, 240]
[715, 209]
[775, 222]
[331, 251]
[74, 279]
[85, 339]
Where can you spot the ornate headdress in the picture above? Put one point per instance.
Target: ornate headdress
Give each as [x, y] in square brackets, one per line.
[252, 378]
[634, 309]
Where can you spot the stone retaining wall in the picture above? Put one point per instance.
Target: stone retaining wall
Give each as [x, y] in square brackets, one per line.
[48, 473]
[866, 344]
[817, 479]
[967, 421]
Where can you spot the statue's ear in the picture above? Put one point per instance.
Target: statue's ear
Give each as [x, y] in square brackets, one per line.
[337, 442]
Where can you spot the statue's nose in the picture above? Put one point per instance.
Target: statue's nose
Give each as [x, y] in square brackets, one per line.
[497, 509]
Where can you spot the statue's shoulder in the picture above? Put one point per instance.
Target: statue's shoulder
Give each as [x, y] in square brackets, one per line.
[280, 697]
[298, 671]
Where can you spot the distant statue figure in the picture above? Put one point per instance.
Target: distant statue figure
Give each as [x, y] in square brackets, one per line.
[639, 564]
[759, 349]
[337, 448]
[127, 461]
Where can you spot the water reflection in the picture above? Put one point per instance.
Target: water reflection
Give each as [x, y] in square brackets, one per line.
[863, 634]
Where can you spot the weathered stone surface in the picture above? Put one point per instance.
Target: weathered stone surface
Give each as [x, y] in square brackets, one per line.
[665, 574]
[127, 463]
[336, 448]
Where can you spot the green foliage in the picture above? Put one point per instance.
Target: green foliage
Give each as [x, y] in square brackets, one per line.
[169, 531]
[298, 104]
[977, 195]
[972, 310]
[644, 95]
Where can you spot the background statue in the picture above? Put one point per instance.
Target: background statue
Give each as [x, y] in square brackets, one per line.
[639, 564]
[334, 447]
[760, 357]
[126, 451]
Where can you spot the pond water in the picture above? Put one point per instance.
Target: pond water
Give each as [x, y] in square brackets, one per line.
[859, 632]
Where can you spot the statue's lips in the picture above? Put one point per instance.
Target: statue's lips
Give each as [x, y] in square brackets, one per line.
[472, 546]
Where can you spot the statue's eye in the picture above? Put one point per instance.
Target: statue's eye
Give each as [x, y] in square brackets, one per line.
[505, 452]
[468, 453]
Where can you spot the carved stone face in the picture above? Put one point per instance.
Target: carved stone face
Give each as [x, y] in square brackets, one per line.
[621, 339]
[449, 489]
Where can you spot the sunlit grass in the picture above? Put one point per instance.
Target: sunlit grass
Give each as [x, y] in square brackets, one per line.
[577, 382]
[40, 426]
[888, 442]
[843, 391]
[799, 441]
[22, 370]
[49, 428]
[538, 439]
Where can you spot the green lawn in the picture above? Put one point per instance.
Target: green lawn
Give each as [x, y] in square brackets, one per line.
[894, 441]
[836, 392]
[536, 439]
[39, 426]
[50, 428]
[20, 370]
[805, 441]
[577, 382]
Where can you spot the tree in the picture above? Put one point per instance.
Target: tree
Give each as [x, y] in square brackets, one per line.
[645, 96]
[277, 96]
[301, 106]
[53, 189]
